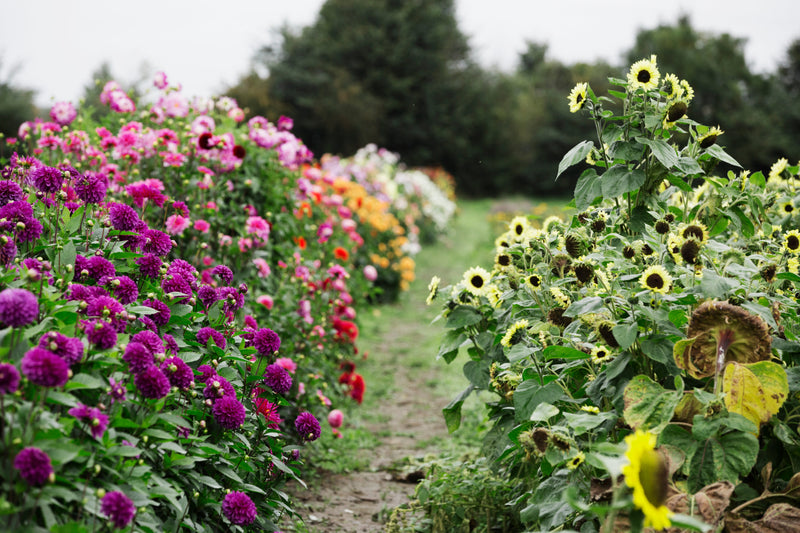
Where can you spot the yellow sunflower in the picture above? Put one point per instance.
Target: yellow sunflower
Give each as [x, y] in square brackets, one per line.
[791, 242]
[476, 280]
[672, 86]
[590, 409]
[709, 138]
[433, 289]
[534, 281]
[656, 279]
[559, 296]
[577, 97]
[553, 222]
[514, 333]
[600, 354]
[576, 460]
[696, 230]
[688, 92]
[644, 74]
[778, 167]
[787, 208]
[503, 261]
[646, 473]
[793, 265]
[517, 227]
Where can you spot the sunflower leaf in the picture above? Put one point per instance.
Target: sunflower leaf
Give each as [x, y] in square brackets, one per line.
[663, 151]
[575, 155]
[717, 151]
[648, 405]
[618, 180]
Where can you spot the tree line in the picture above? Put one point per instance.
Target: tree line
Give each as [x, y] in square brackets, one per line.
[401, 74]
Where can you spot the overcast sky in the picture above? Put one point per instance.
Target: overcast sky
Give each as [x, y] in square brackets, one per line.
[206, 45]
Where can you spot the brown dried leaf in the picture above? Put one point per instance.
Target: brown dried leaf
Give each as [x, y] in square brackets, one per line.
[709, 503]
[778, 518]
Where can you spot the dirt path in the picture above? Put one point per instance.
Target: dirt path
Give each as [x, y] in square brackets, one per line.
[411, 409]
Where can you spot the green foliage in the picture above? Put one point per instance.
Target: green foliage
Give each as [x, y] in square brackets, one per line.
[16, 104]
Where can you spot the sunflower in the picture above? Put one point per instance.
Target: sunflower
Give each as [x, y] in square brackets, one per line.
[514, 334]
[534, 281]
[656, 279]
[695, 230]
[708, 139]
[644, 74]
[793, 265]
[672, 86]
[577, 98]
[646, 473]
[433, 289]
[517, 227]
[476, 280]
[502, 261]
[690, 250]
[791, 242]
[778, 167]
[502, 242]
[559, 296]
[676, 112]
[600, 354]
[591, 409]
[576, 460]
[787, 208]
[553, 222]
[688, 92]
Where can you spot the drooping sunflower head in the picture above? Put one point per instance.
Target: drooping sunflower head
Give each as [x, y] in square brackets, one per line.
[599, 223]
[556, 317]
[647, 474]
[709, 138]
[476, 281]
[647, 250]
[768, 272]
[676, 111]
[661, 226]
[577, 97]
[723, 332]
[644, 75]
[791, 242]
[574, 245]
[690, 250]
[584, 271]
[561, 265]
[605, 330]
[515, 333]
[656, 279]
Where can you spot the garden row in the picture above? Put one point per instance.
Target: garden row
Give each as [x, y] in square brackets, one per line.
[641, 356]
[178, 295]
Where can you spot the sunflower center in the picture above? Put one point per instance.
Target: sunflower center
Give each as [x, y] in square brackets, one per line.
[793, 242]
[653, 477]
[643, 76]
[579, 99]
[504, 260]
[693, 231]
[789, 208]
[535, 281]
[655, 281]
[518, 229]
[476, 281]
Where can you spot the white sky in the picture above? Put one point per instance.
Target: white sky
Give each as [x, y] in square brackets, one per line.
[206, 45]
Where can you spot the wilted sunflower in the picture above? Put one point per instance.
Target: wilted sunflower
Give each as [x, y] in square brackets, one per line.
[647, 474]
[476, 280]
[515, 333]
[791, 242]
[577, 97]
[433, 289]
[690, 250]
[676, 111]
[656, 279]
[710, 137]
[723, 332]
[574, 245]
[606, 330]
[644, 74]
[556, 317]
[768, 272]
[584, 271]
[560, 265]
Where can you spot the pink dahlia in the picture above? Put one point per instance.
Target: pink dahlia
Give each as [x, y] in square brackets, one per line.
[63, 113]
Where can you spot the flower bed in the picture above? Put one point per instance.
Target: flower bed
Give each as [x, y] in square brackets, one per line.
[642, 354]
[179, 301]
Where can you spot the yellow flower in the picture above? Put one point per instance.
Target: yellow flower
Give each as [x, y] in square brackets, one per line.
[577, 98]
[433, 289]
[590, 409]
[656, 279]
[644, 74]
[576, 461]
[517, 227]
[646, 473]
[791, 242]
[688, 92]
[559, 296]
[709, 138]
[552, 222]
[778, 167]
[534, 281]
[793, 265]
[696, 230]
[787, 208]
[600, 354]
[672, 86]
[476, 280]
[512, 336]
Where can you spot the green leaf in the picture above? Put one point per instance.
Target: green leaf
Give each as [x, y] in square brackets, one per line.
[689, 522]
[747, 228]
[618, 180]
[649, 406]
[142, 310]
[564, 352]
[719, 226]
[85, 381]
[530, 394]
[463, 316]
[627, 150]
[452, 412]
[625, 334]
[728, 457]
[575, 155]
[716, 150]
[591, 304]
[581, 423]
[448, 350]
[588, 189]
[518, 352]
[787, 275]
[544, 412]
[663, 151]
[688, 165]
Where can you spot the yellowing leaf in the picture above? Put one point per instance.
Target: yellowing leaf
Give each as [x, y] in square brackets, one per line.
[744, 394]
[774, 381]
